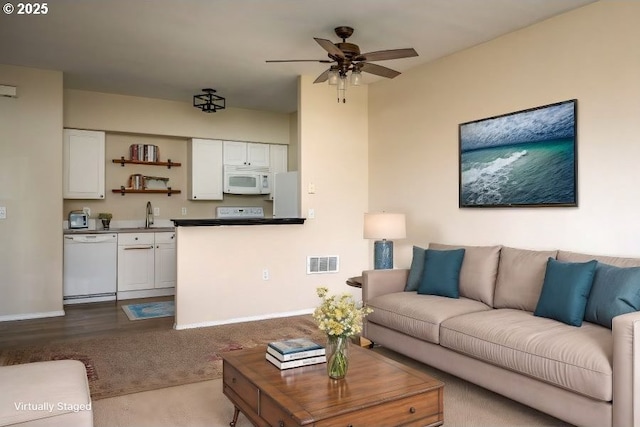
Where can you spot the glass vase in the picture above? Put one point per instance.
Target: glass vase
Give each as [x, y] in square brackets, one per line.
[337, 356]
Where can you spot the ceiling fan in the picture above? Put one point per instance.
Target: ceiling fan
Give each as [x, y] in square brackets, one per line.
[346, 57]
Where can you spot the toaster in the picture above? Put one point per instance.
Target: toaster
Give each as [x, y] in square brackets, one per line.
[78, 219]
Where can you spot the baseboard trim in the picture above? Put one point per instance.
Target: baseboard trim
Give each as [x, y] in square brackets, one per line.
[146, 293]
[27, 316]
[243, 319]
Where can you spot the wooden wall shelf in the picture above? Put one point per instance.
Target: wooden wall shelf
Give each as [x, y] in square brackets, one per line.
[123, 191]
[124, 161]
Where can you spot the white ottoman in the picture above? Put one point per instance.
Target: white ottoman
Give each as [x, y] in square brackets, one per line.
[54, 393]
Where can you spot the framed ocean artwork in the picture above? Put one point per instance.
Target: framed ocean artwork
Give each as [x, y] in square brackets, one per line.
[521, 159]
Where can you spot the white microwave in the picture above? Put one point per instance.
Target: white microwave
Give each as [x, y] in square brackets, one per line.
[246, 180]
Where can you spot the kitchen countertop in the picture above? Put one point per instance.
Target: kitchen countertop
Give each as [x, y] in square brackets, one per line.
[211, 222]
[120, 230]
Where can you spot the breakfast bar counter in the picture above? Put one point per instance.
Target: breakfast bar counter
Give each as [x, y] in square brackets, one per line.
[236, 221]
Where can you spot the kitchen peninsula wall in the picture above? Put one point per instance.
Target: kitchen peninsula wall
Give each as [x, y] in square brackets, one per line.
[169, 125]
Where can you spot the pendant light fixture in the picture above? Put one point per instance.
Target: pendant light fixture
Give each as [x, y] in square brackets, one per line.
[208, 101]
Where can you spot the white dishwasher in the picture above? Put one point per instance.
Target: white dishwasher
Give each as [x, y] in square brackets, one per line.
[90, 267]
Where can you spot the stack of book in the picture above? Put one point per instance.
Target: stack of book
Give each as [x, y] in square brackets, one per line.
[144, 152]
[295, 352]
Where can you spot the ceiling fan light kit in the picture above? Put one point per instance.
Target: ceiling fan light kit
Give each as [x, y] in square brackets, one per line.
[208, 101]
[347, 58]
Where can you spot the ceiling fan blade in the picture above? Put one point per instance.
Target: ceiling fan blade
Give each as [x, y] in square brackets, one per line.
[322, 77]
[379, 70]
[382, 55]
[330, 47]
[324, 61]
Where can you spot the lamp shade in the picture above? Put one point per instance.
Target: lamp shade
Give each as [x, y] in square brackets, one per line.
[384, 226]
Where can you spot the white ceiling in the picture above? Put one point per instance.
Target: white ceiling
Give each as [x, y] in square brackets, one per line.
[170, 49]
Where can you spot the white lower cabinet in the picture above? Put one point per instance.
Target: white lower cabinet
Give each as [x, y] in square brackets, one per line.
[165, 260]
[146, 264]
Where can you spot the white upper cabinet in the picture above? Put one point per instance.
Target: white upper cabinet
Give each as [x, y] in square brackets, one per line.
[278, 155]
[204, 169]
[246, 154]
[83, 164]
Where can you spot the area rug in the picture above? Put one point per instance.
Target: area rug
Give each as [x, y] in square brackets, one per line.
[131, 362]
[150, 310]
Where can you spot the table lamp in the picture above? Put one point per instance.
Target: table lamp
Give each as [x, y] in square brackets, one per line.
[384, 227]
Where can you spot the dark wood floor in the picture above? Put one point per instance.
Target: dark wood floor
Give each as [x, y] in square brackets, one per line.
[80, 321]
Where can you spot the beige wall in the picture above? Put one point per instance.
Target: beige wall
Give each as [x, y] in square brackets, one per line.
[590, 54]
[220, 268]
[169, 125]
[120, 113]
[31, 190]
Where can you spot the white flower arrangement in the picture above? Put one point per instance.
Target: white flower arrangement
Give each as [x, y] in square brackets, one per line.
[338, 315]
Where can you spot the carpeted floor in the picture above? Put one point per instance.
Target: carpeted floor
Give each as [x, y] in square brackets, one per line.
[129, 363]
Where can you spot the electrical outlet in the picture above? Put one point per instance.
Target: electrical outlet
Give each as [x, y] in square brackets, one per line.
[156, 211]
[87, 211]
[311, 214]
[265, 274]
[184, 211]
[3, 212]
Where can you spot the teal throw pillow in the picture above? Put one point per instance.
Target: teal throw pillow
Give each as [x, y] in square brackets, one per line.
[615, 291]
[415, 273]
[565, 291]
[441, 274]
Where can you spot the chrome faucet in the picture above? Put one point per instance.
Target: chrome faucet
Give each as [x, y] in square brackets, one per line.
[149, 217]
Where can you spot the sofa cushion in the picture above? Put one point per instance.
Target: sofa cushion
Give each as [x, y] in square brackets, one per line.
[568, 256]
[520, 276]
[615, 291]
[61, 384]
[417, 267]
[577, 359]
[418, 315]
[478, 272]
[441, 275]
[565, 291]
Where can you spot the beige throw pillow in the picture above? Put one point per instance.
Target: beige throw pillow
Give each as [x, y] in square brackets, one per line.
[478, 272]
[520, 278]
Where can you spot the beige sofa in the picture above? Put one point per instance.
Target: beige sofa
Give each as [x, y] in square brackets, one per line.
[45, 394]
[584, 375]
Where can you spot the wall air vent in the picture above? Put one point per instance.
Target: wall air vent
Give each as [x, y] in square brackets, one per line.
[322, 264]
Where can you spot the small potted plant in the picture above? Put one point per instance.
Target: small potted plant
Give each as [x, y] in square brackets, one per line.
[106, 219]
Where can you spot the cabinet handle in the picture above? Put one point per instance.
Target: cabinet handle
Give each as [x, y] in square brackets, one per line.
[138, 247]
[412, 410]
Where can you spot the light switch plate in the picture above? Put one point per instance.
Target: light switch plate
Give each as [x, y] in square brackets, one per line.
[3, 212]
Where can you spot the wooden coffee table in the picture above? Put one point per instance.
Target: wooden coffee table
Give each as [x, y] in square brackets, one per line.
[376, 391]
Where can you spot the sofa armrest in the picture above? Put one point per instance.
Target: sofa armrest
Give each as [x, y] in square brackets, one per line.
[380, 282]
[626, 376]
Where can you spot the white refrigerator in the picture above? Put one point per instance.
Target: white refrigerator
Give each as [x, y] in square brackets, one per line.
[286, 197]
